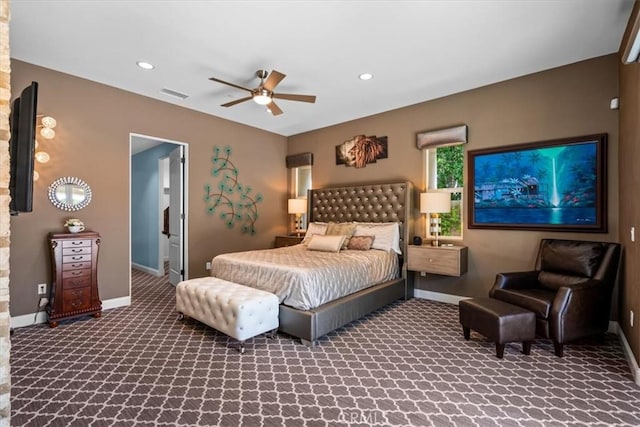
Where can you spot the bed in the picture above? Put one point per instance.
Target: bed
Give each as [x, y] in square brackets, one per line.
[346, 292]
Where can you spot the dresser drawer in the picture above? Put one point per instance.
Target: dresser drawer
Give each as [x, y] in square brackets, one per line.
[76, 299]
[76, 251]
[76, 282]
[77, 265]
[76, 273]
[450, 261]
[75, 243]
[76, 258]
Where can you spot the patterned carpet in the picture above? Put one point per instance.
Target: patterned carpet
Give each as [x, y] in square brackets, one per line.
[406, 364]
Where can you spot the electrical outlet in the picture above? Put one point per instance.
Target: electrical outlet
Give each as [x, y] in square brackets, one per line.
[631, 318]
[43, 302]
[208, 265]
[42, 289]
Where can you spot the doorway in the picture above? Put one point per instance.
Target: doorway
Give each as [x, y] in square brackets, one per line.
[158, 180]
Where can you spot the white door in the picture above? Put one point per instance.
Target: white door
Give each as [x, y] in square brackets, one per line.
[176, 215]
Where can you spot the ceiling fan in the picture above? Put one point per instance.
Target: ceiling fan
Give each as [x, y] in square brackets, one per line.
[264, 94]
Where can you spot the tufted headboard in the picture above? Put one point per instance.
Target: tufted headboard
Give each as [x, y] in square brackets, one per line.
[386, 202]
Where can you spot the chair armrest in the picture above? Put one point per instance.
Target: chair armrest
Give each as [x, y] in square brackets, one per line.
[580, 310]
[515, 280]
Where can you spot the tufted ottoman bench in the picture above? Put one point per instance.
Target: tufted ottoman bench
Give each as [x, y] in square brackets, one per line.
[236, 310]
[499, 321]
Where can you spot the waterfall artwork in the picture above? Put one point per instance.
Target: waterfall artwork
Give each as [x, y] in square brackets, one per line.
[552, 185]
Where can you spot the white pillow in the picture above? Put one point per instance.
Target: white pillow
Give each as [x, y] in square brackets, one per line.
[314, 228]
[387, 235]
[331, 243]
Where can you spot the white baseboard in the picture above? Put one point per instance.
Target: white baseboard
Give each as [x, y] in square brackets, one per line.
[437, 296]
[41, 316]
[148, 270]
[626, 349]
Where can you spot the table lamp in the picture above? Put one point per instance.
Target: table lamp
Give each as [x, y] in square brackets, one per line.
[297, 207]
[435, 203]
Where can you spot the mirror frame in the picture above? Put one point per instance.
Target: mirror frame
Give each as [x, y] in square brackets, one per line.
[69, 180]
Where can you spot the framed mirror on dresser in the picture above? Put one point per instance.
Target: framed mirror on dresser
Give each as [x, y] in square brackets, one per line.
[70, 193]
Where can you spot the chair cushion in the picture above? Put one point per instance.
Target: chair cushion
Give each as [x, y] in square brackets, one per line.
[538, 300]
[575, 258]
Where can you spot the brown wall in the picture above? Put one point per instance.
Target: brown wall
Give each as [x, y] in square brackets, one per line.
[563, 102]
[92, 143]
[629, 176]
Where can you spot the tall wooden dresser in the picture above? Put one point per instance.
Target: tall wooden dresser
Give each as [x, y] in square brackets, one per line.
[74, 261]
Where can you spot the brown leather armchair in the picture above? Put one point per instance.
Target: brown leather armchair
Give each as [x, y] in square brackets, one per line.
[569, 289]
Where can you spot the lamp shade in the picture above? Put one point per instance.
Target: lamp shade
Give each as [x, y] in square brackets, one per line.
[435, 202]
[297, 206]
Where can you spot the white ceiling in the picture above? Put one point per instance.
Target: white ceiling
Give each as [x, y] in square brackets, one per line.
[417, 50]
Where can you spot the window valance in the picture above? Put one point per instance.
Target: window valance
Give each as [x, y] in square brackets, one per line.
[442, 137]
[297, 160]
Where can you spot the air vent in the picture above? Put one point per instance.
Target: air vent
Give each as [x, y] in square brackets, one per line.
[174, 93]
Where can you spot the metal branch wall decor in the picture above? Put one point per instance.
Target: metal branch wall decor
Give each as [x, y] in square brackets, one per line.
[361, 150]
[231, 198]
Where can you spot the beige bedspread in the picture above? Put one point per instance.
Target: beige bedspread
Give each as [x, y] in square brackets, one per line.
[306, 279]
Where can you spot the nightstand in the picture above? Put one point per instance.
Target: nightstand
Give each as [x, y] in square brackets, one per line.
[445, 260]
[286, 240]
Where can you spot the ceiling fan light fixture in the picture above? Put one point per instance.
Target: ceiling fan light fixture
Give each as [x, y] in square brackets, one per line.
[262, 97]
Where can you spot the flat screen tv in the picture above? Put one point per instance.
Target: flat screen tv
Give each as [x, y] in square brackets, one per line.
[22, 148]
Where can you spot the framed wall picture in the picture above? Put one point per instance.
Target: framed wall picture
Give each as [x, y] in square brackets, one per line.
[557, 185]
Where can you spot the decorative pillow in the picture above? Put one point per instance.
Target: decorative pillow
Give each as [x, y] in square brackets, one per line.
[312, 229]
[360, 243]
[325, 243]
[345, 229]
[386, 235]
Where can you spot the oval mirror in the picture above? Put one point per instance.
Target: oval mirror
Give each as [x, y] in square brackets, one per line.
[69, 193]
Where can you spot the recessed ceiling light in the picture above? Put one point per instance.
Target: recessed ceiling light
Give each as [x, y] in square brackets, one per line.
[145, 65]
[365, 76]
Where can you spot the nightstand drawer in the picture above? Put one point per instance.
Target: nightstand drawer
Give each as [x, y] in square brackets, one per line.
[449, 260]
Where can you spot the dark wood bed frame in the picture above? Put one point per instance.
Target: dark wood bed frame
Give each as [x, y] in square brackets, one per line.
[386, 202]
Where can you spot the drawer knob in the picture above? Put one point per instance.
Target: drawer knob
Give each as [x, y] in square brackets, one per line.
[76, 257]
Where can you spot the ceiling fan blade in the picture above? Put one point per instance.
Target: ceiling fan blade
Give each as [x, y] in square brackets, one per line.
[293, 97]
[229, 84]
[273, 79]
[237, 101]
[275, 110]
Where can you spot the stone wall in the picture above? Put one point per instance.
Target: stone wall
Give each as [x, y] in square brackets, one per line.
[5, 96]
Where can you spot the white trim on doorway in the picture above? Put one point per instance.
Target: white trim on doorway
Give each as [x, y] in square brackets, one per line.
[150, 141]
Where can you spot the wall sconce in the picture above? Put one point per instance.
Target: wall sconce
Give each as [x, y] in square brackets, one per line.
[435, 203]
[297, 207]
[47, 125]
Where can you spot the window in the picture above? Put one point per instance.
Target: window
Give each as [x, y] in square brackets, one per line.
[301, 180]
[444, 167]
